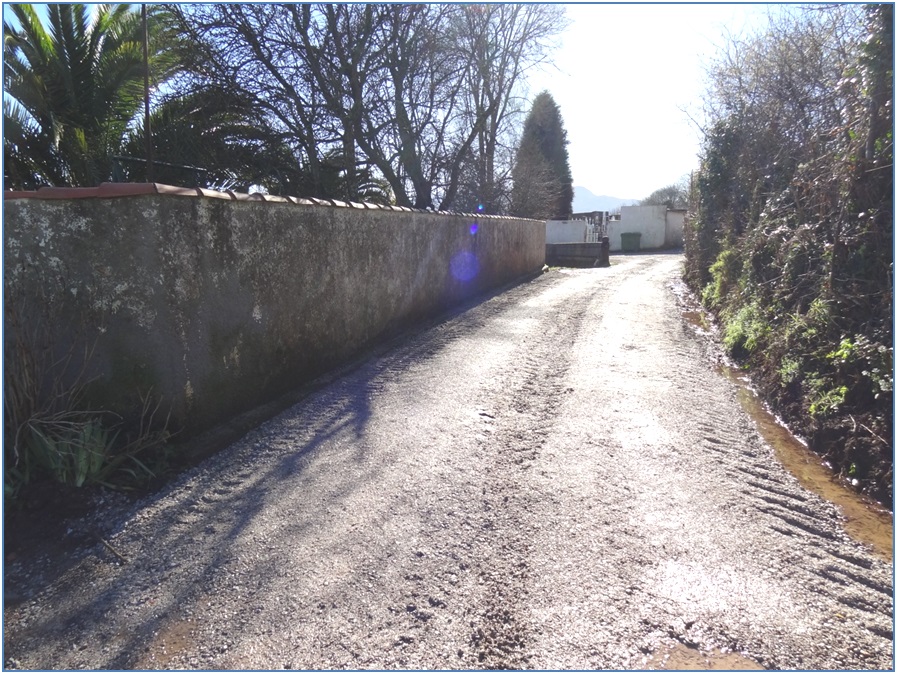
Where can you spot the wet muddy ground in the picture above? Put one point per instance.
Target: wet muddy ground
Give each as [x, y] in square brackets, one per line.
[557, 478]
[865, 520]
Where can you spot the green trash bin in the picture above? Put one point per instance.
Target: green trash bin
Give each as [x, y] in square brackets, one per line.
[631, 241]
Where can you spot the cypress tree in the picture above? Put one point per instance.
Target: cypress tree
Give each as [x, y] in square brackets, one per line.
[543, 184]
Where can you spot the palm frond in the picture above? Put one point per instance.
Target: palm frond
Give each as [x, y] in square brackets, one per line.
[77, 82]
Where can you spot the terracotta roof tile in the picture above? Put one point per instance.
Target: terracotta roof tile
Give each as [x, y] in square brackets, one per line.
[172, 189]
[211, 194]
[300, 201]
[126, 189]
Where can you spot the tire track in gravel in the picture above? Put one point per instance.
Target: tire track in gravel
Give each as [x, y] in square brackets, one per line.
[719, 547]
[554, 478]
[810, 528]
[365, 527]
[522, 406]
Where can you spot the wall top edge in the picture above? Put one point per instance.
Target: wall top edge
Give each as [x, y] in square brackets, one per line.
[113, 190]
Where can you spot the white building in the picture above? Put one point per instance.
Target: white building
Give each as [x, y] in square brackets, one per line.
[659, 226]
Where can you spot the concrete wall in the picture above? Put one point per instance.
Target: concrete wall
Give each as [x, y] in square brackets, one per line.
[659, 227]
[675, 226]
[649, 221]
[577, 254]
[566, 231]
[217, 303]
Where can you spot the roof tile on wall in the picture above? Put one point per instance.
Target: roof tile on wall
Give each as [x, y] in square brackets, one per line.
[211, 194]
[299, 201]
[126, 189]
[67, 192]
[169, 189]
[113, 190]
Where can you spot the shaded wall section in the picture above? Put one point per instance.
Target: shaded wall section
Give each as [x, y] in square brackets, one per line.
[218, 302]
[675, 228]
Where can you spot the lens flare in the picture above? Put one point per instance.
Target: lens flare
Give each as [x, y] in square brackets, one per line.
[465, 266]
[473, 229]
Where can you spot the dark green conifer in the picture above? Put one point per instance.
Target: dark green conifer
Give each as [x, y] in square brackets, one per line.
[543, 184]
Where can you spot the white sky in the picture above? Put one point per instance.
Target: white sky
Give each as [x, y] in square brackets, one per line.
[624, 74]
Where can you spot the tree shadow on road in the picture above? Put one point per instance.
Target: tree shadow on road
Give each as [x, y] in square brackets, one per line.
[179, 542]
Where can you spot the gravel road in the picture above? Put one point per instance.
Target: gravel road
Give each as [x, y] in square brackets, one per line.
[556, 478]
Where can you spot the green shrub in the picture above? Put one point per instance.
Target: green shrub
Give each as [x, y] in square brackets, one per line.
[724, 277]
[50, 429]
[789, 369]
[825, 401]
[746, 331]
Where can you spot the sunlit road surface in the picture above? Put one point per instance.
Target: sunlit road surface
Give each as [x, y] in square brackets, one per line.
[556, 478]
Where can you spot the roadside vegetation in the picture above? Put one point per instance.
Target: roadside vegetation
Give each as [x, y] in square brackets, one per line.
[790, 236]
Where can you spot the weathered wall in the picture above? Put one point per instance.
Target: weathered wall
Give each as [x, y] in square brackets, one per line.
[578, 254]
[220, 304]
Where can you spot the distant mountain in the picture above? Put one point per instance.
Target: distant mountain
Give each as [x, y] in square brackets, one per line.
[585, 202]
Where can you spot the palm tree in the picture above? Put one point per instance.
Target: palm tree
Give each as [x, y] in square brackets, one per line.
[71, 90]
[210, 136]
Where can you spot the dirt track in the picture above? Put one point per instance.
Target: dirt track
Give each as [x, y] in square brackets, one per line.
[556, 478]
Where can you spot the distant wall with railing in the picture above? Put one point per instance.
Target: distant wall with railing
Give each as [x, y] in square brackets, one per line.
[217, 302]
[577, 228]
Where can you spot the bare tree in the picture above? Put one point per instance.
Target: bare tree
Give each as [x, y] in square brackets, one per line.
[671, 196]
[500, 42]
[251, 48]
[415, 93]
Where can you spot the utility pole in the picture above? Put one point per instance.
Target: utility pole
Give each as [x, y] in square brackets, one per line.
[147, 130]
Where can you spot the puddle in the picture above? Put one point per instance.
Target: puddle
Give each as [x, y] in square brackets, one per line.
[697, 320]
[867, 521]
[170, 641]
[681, 657]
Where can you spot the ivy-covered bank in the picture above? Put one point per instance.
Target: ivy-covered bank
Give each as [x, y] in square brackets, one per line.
[790, 239]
